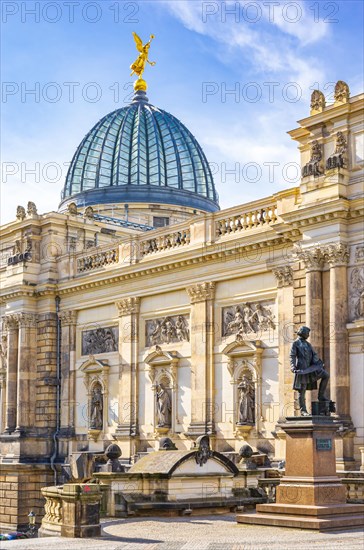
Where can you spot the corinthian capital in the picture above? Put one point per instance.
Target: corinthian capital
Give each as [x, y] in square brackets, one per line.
[68, 317]
[201, 292]
[27, 320]
[337, 254]
[284, 276]
[313, 258]
[127, 306]
[10, 322]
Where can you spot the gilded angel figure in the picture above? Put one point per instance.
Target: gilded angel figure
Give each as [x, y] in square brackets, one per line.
[138, 66]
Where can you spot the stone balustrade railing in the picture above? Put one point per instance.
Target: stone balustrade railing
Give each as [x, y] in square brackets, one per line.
[98, 259]
[354, 483]
[262, 215]
[165, 242]
[214, 226]
[53, 509]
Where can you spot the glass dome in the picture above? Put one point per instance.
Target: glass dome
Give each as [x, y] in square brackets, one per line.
[140, 153]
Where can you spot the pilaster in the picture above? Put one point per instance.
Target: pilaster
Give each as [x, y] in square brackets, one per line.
[68, 320]
[202, 371]
[27, 368]
[128, 310]
[11, 327]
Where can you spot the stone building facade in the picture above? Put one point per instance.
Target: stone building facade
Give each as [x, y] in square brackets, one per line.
[115, 331]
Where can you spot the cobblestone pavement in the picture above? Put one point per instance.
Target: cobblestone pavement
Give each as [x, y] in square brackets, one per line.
[195, 533]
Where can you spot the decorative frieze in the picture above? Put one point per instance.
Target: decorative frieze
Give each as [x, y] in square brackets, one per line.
[247, 318]
[337, 254]
[68, 317]
[100, 340]
[201, 292]
[284, 276]
[315, 165]
[167, 330]
[339, 158]
[127, 306]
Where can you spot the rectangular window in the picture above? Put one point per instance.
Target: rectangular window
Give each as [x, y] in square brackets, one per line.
[160, 221]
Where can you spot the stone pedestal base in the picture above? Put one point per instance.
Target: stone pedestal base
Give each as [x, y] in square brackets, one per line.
[310, 495]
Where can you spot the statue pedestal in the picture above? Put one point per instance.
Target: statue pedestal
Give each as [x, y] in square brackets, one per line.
[310, 495]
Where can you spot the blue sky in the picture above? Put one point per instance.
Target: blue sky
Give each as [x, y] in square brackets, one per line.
[76, 56]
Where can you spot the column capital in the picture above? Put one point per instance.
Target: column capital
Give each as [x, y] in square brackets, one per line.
[68, 317]
[201, 292]
[284, 276]
[313, 258]
[27, 320]
[10, 322]
[127, 306]
[337, 254]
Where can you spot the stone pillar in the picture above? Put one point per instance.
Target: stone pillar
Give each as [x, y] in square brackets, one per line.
[202, 358]
[11, 327]
[284, 276]
[128, 380]
[338, 257]
[313, 260]
[68, 320]
[27, 371]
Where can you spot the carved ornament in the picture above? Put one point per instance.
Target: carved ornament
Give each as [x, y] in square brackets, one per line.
[315, 165]
[341, 92]
[68, 317]
[337, 254]
[318, 102]
[247, 318]
[127, 306]
[313, 258]
[167, 330]
[339, 159]
[284, 276]
[100, 340]
[201, 292]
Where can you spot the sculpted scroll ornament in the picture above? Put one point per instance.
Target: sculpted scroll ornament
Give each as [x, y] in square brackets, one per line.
[167, 330]
[247, 318]
[318, 101]
[341, 92]
[201, 292]
[339, 159]
[315, 165]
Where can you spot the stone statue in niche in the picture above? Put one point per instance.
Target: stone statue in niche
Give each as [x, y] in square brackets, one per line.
[247, 318]
[101, 340]
[164, 407]
[357, 293]
[314, 167]
[96, 412]
[167, 330]
[246, 401]
[339, 159]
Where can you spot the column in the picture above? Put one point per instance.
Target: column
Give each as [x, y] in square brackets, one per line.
[313, 260]
[27, 371]
[202, 358]
[68, 320]
[128, 310]
[338, 258]
[284, 276]
[11, 327]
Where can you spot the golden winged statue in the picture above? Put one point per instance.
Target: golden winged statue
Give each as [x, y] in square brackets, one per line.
[138, 66]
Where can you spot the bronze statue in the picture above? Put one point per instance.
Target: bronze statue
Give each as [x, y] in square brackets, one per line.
[308, 368]
[138, 67]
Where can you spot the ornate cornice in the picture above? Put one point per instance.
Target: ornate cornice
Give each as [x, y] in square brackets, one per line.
[313, 258]
[127, 306]
[201, 292]
[68, 317]
[284, 276]
[337, 254]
